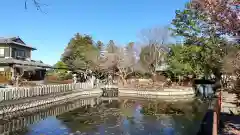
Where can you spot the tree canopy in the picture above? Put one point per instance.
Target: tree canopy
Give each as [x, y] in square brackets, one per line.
[77, 50]
[205, 49]
[204, 46]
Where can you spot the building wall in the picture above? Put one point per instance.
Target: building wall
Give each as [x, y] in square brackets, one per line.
[5, 74]
[25, 49]
[6, 50]
[9, 47]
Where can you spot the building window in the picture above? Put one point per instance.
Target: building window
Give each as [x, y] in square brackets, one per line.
[1, 52]
[20, 53]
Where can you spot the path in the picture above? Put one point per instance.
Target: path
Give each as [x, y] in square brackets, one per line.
[229, 117]
[230, 124]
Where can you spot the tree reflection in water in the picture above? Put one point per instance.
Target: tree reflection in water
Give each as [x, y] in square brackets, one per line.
[131, 116]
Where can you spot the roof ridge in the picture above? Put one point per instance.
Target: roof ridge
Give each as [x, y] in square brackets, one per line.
[9, 37]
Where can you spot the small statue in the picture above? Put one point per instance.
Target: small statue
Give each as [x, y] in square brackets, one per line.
[97, 82]
[74, 78]
[17, 79]
[110, 79]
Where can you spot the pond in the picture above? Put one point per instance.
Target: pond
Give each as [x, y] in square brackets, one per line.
[123, 116]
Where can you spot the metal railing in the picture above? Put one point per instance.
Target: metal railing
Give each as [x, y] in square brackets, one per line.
[216, 115]
[25, 92]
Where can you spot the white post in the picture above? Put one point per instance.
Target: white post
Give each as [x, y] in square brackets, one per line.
[74, 78]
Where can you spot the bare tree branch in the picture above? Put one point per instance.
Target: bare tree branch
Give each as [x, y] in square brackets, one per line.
[36, 3]
[154, 42]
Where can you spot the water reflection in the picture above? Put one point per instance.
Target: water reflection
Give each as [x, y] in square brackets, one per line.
[27, 120]
[124, 116]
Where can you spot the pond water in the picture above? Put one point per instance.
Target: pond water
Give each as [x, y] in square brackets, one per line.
[123, 116]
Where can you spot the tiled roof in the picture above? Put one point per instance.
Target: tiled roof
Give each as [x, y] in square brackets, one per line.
[24, 62]
[16, 41]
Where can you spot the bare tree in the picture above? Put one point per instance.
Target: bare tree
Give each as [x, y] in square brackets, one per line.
[120, 63]
[36, 3]
[157, 36]
[125, 64]
[154, 42]
[100, 64]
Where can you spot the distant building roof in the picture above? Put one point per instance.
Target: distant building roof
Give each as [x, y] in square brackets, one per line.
[24, 62]
[16, 41]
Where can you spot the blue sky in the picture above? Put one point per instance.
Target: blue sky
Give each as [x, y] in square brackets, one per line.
[49, 32]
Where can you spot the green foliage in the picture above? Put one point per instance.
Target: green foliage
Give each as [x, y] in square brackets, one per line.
[100, 45]
[61, 67]
[61, 71]
[184, 60]
[78, 48]
[186, 23]
[203, 49]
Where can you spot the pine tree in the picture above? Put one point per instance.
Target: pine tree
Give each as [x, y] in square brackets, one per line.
[75, 53]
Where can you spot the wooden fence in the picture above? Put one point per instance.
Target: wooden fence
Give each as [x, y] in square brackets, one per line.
[23, 92]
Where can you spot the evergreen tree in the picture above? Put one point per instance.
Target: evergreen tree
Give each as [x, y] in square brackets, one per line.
[78, 48]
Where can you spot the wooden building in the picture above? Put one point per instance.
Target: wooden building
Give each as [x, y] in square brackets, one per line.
[15, 58]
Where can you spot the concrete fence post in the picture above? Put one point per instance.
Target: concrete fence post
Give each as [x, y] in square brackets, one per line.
[61, 87]
[34, 92]
[21, 92]
[67, 87]
[1, 95]
[64, 87]
[54, 89]
[5, 94]
[37, 89]
[58, 88]
[26, 92]
[45, 90]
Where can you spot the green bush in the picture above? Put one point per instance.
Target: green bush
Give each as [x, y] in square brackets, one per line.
[68, 76]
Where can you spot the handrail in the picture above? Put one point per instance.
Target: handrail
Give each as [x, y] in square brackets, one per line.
[216, 114]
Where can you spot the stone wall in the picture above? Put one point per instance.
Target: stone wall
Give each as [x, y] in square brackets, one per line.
[187, 92]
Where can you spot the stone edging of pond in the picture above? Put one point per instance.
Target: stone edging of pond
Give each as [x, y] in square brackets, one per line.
[83, 93]
[166, 92]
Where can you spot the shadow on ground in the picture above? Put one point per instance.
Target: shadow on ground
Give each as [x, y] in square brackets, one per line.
[207, 124]
[229, 124]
